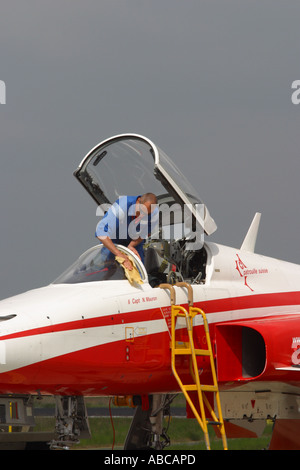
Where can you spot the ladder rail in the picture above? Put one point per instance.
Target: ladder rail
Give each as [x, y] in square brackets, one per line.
[175, 311]
[188, 348]
[194, 311]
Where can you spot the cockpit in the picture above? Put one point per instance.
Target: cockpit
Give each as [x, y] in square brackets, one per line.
[164, 262]
[170, 262]
[131, 164]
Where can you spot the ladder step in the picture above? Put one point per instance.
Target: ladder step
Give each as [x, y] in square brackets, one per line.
[209, 388]
[214, 423]
[190, 388]
[204, 388]
[198, 352]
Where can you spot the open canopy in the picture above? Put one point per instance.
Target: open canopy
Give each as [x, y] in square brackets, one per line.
[131, 164]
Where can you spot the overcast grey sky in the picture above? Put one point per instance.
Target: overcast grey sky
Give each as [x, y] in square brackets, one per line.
[208, 81]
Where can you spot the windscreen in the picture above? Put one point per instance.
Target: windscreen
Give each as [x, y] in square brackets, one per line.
[96, 264]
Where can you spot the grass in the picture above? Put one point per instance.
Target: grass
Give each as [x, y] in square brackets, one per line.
[185, 434]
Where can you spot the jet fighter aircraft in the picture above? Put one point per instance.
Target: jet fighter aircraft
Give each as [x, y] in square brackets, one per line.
[219, 324]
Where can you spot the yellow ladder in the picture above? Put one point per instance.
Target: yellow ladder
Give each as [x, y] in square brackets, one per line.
[189, 349]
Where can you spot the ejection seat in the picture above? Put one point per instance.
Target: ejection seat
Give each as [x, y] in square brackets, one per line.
[152, 265]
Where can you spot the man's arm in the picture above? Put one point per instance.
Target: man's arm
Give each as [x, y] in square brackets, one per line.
[109, 244]
[133, 244]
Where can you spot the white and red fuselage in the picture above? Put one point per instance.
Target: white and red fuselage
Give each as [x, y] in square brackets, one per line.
[111, 338]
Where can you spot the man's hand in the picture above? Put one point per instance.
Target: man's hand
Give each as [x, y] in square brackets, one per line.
[107, 242]
[131, 248]
[127, 263]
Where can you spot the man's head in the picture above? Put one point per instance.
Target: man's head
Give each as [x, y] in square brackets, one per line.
[148, 203]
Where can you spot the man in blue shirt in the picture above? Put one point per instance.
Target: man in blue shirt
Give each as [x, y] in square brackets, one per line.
[128, 222]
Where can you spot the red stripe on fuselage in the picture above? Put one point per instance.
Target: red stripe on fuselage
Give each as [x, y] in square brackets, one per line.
[209, 306]
[115, 319]
[251, 301]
